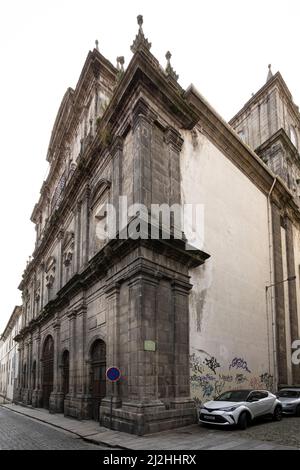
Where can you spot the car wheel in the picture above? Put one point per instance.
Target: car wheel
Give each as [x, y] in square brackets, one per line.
[277, 415]
[298, 411]
[243, 421]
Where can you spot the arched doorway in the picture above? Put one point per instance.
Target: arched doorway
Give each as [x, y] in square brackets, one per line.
[98, 378]
[65, 373]
[48, 362]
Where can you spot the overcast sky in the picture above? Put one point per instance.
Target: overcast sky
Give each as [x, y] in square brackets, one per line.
[222, 46]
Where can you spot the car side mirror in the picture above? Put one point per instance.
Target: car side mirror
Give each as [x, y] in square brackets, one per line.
[252, 400]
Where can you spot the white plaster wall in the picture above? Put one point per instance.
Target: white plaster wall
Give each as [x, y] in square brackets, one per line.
[228, 320]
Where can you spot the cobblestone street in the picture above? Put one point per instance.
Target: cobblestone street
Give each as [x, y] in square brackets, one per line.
[21, 427]
[285, 432]
[18, 432]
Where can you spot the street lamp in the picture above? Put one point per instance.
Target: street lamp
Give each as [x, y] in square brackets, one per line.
[292, 278]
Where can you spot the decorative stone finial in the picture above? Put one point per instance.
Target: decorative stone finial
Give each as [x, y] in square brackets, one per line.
[140, 21]
[270, 74]
[120, 63]
[169, 69]
[140, 41]
[97, 44]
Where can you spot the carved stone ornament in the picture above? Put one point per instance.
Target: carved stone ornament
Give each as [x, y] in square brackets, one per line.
[68, 248]
[50, 271]
[140, 41]
[37, 295]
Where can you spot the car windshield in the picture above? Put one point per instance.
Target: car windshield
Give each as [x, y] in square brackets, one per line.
[234, 395]
[289, 394]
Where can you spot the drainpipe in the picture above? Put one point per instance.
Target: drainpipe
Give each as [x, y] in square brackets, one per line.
[271, 264]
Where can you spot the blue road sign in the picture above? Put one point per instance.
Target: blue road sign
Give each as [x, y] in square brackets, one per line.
[113, 374]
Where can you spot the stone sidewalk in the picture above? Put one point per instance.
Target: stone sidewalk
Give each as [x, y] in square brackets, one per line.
[188, 438]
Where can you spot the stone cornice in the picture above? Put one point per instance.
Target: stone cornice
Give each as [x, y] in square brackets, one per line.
[98, 266]
[283, 137]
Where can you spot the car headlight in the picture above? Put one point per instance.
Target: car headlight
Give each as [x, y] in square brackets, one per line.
[231, 408]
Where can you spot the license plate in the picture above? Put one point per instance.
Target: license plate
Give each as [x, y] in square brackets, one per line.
[209, 417]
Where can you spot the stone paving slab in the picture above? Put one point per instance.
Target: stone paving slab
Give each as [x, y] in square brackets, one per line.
[191, 437]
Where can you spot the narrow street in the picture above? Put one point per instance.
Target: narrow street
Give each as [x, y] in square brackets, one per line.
[28, 428]
[18, 432]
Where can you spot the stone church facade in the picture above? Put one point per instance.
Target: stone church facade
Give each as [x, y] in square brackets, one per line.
[172, 320]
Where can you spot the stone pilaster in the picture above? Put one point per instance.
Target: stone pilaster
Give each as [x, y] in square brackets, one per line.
[85, 226]
[56, 403]
[60, 259]
[116, 150]
[279, 298]
[17, 397]
[37, 393]
[292, 289]
[174, 142]
[142, 124]
[112, 347]
[77, 236]
[180, 293]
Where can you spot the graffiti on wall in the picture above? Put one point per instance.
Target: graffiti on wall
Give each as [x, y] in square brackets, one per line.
[239, 363]
[209, 377]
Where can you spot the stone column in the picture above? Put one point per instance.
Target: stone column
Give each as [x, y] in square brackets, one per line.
[25, 394]
[30, 370]
[37, 394]
[174, 142]
[279, 298]
[42, 284]
[85, 226]
[116, 151]
[56, 404]
[180, 294]
[60, 238]
[292, 289]
[77, 236]
[18, 390]
[82, 386]
[142, 123]
[70, 399]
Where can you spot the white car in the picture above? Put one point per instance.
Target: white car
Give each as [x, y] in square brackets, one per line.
[240, 407]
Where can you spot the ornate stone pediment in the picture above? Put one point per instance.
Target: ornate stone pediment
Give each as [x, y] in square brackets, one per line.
[99, 189]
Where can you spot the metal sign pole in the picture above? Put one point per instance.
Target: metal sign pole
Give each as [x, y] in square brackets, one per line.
[111, 407]
[113, 374]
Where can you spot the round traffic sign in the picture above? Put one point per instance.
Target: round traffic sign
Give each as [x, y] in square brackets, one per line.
[113, 374]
